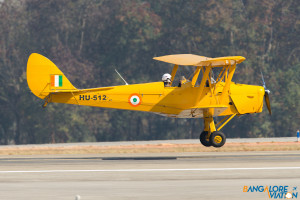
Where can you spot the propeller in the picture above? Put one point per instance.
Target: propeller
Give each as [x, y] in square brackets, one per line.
[267, 92]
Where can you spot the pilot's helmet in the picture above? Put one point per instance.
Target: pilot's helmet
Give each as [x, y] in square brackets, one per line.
[166, 78]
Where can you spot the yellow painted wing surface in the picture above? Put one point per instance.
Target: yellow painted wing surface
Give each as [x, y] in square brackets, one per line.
[182, 59]
[195, 60]
[222, 61]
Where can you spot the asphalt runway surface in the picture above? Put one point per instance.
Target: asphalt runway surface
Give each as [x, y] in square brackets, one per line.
[213, 175]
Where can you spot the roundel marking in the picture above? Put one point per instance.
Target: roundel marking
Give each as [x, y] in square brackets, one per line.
[135, 100]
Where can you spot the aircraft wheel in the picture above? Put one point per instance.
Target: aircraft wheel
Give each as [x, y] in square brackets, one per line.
[217, 139]
[204, 140]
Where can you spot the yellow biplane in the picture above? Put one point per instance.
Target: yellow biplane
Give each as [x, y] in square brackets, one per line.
[206, 98]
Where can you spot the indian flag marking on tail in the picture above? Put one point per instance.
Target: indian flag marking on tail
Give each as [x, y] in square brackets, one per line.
[56, 80]
[135, 100]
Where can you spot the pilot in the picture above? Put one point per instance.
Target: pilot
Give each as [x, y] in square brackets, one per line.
[166, 78]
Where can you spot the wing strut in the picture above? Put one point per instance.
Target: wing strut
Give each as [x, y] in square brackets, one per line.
[225, 91]
[173, 73]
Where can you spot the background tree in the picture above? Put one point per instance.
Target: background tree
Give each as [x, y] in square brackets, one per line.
[89, 39]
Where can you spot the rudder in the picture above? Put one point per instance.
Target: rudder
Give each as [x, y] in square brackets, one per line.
[44, 77]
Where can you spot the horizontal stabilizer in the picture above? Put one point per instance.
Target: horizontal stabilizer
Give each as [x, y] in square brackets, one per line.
[84, 90]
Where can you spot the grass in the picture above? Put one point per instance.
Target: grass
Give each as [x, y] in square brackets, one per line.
[157, 148]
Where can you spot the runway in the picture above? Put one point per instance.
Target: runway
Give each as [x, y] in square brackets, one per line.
[210, 175]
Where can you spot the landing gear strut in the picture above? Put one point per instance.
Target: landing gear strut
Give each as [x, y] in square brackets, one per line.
[212, 136]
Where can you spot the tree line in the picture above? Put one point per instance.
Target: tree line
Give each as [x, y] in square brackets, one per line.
[89, 39]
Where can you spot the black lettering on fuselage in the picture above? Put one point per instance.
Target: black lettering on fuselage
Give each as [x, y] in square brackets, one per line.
[93, 97]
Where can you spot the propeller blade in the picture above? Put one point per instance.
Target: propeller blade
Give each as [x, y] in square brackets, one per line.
[267, 99]
[267, 92]
[263, 80]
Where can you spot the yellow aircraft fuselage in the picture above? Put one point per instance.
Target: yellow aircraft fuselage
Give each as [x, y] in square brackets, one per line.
[210, 98]
[181, 102]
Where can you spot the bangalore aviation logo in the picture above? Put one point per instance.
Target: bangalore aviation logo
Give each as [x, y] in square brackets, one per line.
[135, 100]
[275, 191]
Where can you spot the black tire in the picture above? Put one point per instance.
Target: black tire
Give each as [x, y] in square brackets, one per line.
[204, 140]
[217, 139]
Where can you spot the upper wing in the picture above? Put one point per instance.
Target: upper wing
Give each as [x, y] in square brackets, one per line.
[195, 60]
[182, 59]
[221, 61]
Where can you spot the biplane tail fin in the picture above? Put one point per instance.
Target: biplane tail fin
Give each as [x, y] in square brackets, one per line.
[44, 77]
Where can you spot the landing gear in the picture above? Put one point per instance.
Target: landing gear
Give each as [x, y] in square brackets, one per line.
[216, 139]
[204, 139]
[211, 135]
